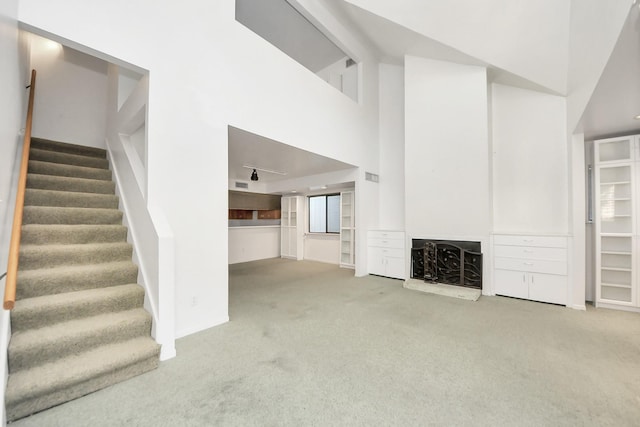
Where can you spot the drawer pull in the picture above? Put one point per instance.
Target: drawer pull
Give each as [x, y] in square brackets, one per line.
[527, 240]
[528, 251]
[528, 263]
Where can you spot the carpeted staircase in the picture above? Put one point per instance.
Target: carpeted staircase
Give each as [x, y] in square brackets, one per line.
[78, 324]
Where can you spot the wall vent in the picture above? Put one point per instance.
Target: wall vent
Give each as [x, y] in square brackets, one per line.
[371, 177]
[244, 185]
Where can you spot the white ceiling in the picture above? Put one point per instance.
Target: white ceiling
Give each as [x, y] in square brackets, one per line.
[616, 99]
[246, 148]
[610, 111]
[394, 41]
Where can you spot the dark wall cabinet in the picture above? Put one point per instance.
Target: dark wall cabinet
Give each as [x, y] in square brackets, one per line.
[242, 205]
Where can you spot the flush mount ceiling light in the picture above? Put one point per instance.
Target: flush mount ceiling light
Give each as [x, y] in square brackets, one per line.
[254, 175]
[318, 187]
[637, 117]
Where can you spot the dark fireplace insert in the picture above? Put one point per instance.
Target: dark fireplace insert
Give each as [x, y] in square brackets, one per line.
[447, 261]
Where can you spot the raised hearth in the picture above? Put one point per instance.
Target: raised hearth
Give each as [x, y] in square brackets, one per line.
[449, 262]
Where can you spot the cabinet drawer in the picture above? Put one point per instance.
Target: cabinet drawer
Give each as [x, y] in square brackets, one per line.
[531, 265]
[382, 234]
[530, 252]
[540, 241]
[386, 243]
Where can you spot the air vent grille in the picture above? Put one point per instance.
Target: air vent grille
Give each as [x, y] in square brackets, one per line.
[371, 177]
[244, 185]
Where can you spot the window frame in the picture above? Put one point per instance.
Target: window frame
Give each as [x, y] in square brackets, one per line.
[326, 209]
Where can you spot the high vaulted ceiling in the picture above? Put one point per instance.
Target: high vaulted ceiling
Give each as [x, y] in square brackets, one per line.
[616, 99]
[522, 43]
[555, 46]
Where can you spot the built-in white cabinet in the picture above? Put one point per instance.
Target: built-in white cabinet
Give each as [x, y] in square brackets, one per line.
[291, 227]
[531, 267]
[616, 179]
[347, 229]
[386, 253]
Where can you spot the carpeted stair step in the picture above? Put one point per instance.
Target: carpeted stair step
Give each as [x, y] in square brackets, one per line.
[51, 234]
[50, 281]
[65, 147]
[79, 323]
[48, 256]
[64, 183]
[63, 215]
[33, 390]
[68, 159]
[48, 168]
[46, 310]
[35, 197]
[28, 349]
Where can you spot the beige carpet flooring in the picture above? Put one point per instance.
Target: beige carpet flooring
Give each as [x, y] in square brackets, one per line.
[309, 344]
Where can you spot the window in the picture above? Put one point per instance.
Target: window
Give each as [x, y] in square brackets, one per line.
[324, 213]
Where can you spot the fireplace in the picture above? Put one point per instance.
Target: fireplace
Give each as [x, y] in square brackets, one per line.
[447, 261]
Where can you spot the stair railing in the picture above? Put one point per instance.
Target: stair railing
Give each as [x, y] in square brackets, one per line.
[16, 229]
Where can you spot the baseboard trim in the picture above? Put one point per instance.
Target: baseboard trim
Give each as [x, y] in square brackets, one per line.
[190, 331]
[167, 352]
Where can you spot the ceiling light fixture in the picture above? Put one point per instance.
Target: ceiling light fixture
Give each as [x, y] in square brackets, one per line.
[254, 175]
[637, 117]
[264, 170]
[317, 187]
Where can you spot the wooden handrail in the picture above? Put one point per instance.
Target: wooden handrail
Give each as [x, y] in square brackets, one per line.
[16, 229]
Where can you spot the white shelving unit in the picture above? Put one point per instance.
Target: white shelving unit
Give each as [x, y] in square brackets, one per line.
[347, 229]
[291, 227]
[616, 202]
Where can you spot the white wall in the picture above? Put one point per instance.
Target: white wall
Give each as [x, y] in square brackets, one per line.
[530, 165]
[323, 248]
[253, 243]
[590, 256]
[594, 29]
[72, 94]
[14, 76]
[342, 78]
[149, 231]
[391, 125]
[577, 238]
[202, 78]
[446, 149]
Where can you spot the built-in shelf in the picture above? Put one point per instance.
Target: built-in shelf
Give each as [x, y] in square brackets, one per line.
[347, 230]
[616, 183]
[615, 253]
[616, 285]
[616, 269]
[616, 163]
